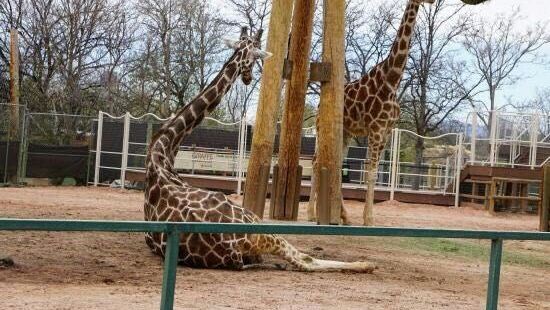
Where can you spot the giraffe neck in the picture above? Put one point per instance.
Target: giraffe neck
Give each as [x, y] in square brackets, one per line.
[168, 139]
[394, 65]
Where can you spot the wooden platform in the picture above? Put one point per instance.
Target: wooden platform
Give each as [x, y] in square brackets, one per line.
[349, 190]
[505, 185]
[484, 173]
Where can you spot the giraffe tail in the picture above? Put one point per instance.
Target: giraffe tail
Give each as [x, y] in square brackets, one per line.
[304, 262]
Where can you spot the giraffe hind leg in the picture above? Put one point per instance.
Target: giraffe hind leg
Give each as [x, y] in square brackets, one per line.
[276, 245]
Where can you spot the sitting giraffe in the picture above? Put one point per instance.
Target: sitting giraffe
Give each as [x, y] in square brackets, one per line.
[371, 108]
[168, 197]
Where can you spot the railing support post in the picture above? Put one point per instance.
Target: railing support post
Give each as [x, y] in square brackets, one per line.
[99, 135]
[534, 140]
[473, 138]
[493, 137]
[544, 207]
[241, 154]
[125, 144]
[494, 274]
[458, 168]
[394, 163]
[170, 267]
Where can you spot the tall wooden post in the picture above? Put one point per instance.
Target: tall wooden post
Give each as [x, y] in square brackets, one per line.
[14, 85]
[293, 113]
[268, 104]
[331, 107]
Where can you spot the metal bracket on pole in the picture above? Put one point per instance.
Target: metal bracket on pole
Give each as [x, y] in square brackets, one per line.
[320, 71]
[99, 135]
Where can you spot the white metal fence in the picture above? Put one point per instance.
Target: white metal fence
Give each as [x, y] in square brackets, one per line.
[435, 171]
[136, 133]
[507, 139]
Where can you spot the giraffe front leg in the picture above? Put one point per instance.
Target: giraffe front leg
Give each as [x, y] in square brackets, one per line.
[345, 149]
[344, 214]
[368, 216]
[312, 204]
[372, 170]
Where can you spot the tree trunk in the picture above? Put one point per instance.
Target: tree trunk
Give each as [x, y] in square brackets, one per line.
[14, 85]
[268, 104]
[293, 114]
[331, 107]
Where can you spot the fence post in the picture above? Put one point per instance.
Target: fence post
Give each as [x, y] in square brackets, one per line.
[262, 189]
[494, 274]
[395, 158]
[125, 144]
[99, 135]
[473, 138]
[23, 148]
[458, 169]
[534, 140]
[14, 86]
[170, 268]
[323, 204]
[544, 210]
[242, 150]
[446, 179]
[493, 137]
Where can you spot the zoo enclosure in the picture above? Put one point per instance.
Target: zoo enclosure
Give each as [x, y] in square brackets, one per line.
[173, 231]
[122, 142]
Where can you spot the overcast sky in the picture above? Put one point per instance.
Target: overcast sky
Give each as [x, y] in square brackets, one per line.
[533, 76]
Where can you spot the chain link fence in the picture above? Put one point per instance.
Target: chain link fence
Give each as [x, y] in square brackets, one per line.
[11, 133]
[57, 148]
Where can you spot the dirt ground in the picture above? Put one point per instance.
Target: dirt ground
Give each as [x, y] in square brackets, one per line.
[117, 271]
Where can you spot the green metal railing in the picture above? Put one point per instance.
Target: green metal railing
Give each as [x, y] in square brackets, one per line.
[174, 229]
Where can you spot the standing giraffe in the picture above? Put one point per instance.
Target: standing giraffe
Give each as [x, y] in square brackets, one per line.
[169, 198]
[371, 109]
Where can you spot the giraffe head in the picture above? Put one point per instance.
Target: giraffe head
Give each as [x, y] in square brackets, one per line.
[248, 51]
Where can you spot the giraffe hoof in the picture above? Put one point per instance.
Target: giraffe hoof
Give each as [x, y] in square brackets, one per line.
[367, 267]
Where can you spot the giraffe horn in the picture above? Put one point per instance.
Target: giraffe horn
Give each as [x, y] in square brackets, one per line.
[244, 32]
[259, 35]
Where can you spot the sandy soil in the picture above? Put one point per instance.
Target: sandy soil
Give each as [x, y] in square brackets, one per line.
[117, 271]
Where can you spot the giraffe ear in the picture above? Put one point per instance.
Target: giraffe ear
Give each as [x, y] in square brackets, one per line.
[231, 43]
[262, 54]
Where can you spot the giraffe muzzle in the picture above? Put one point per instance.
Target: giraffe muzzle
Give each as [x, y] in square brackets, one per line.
[246, 77]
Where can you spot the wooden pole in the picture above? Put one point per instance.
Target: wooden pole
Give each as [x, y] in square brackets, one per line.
[297, 192]
[492, 194]
[268, 104]
[273, 191]
[323, 207]
[14, 85]
[293, 113]
[544, 210]
[262, 189]
[331, 107]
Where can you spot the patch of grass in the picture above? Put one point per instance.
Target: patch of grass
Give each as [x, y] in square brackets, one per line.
[473, 250]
